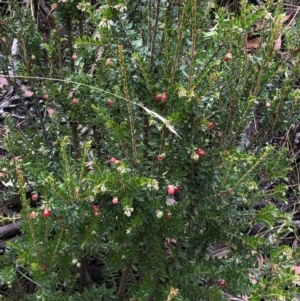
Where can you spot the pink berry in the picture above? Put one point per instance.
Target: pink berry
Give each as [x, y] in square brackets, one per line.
[169, 215]
[176, 189]
[74, 101]
[157, 97]
[170, 189]
[34, 197]
[210, 125]
[222, 282]
[112, 160]
[118, 162]
[47, 213]
[227, 57]
[74, 57]
[115, 201]
[160, 157]
[110, 103]
[201, 153]
[164, 97]
[95, 208]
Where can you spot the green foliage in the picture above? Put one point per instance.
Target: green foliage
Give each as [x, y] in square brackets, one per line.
[125, 53]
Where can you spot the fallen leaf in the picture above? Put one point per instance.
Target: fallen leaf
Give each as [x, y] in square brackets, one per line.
[71, 93]
[285, 18]
[51, 110]
[170, 202]
[220, 251]
[3, 82]
[26, 90]
[278, 42]
[17, 158]
[253, 43]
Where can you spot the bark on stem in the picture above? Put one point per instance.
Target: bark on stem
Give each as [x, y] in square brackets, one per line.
[123, 283]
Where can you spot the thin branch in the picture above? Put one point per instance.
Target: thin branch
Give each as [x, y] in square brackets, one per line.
[123, 282]
[153, 40]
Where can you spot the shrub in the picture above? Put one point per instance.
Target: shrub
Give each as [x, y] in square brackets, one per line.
[116, 85]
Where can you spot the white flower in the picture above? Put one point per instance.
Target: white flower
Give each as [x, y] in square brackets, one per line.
[82, 6]
[152, 122]
[106, 23]
[128, 210]
[98, 188]
[268, 16]
[159, 213]
[128, 231]
[182, 92]
[153, 184]
[121, 169]
[120, 7]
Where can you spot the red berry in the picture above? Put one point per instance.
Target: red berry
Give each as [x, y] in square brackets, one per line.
[34, 197]
[118, 162]
[210, 125]
[169, 215]
[170, 189]
[201, 153]
[176, 189]
[227, 57]
[47, 213]
[157, 96]
[75, 101]
[112, 160]
[95, 208]
[222, 282]
[115, 201]
[160, 157]
[110, 103]
[164, 97]
[74, 57]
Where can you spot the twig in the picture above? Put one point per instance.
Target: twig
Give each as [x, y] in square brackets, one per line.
[153, 40]
[83, 274]
[123, 282]
[193, 38]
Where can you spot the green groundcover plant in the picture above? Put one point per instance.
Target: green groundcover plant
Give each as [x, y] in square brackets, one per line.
[146, 146]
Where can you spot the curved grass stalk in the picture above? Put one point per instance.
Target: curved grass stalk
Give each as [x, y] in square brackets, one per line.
[150, 112]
